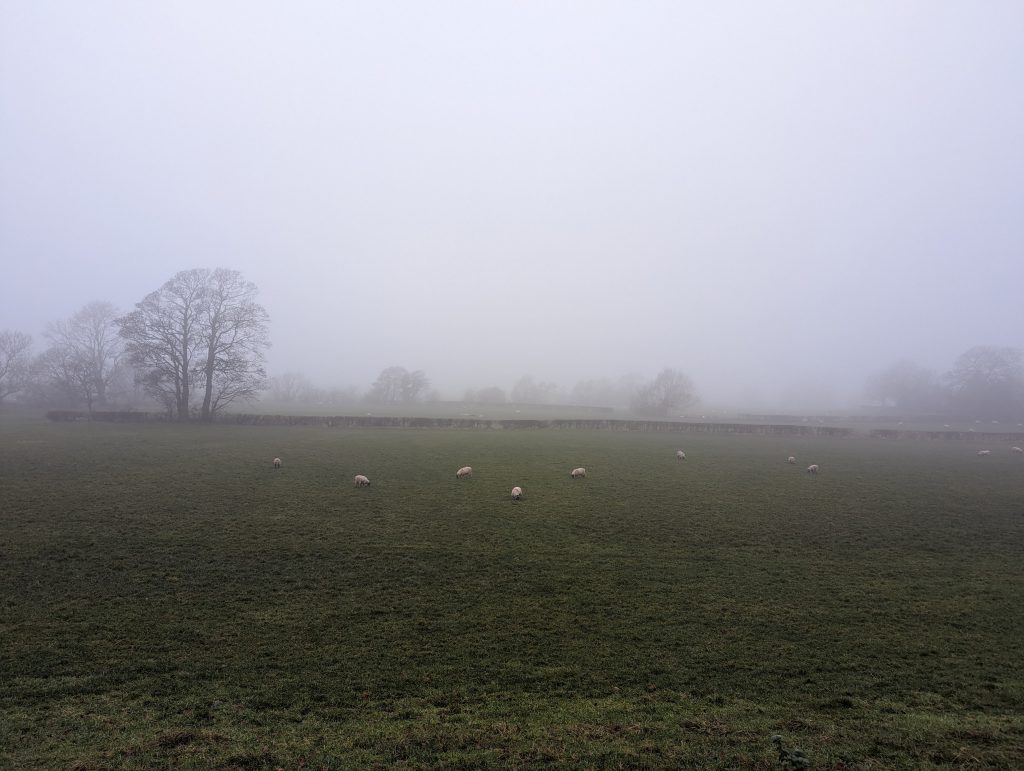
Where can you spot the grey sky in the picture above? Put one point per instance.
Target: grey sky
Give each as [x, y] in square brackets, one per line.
[756, 193]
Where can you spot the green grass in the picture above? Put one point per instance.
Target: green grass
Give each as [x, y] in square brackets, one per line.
[168, 599]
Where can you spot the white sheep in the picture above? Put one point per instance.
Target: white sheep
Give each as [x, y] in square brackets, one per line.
[517, 493]
[578, 472]
[984, 452]
[277, 463]
[790, 459]
[362, 481]
[1016, 449]
[812, 469]
[681, 455]
[465, 471]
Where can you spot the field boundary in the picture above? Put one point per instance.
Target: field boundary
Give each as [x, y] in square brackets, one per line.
[657, 426]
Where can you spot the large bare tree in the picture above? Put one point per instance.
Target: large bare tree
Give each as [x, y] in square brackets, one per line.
[14, 361]
[234, 331]
[201, 330]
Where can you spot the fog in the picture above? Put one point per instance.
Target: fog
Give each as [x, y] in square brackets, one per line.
[775, 198]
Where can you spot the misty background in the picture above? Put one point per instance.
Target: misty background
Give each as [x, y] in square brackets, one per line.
[776, 199]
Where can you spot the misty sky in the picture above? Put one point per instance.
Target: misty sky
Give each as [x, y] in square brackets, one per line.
[759, 194]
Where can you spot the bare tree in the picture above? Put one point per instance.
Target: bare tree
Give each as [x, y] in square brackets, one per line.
[290, 387]
[669, 391]
[397, 384]
[200, 329]
[388, 385]
[234, 332]
[413, 385]
[85, 353]
[14, 362]
[163, 337]
[66, 377]
[988, 381]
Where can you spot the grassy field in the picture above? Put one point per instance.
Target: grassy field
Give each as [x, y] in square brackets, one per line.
[169, 600]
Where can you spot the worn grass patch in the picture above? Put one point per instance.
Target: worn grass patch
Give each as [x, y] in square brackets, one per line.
[170, 600]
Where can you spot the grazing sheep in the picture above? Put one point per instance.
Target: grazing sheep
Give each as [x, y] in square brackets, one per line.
[578, 472]
[362, 481]
[984, 452]
[812, 469]
[517, 493]
[681, 455]
[1016, 449]
[277, 463]
[790, 459]
[465, 471]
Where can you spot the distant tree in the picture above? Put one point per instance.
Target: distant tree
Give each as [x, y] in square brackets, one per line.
[46, 384]
[904, 385]
[202, 330]
[387, 388]
[669, 391]
[14, 362]
[85, 356]
[290, 387]
[988, 381]
[528, 391]
[68, 376]
[414, 384]
[489, 395]
[397, 384]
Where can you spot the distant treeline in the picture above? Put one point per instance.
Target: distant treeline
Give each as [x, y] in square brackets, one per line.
[664, 426]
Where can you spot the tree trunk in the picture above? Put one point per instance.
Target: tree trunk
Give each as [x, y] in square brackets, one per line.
[183, 395]
[207, 413]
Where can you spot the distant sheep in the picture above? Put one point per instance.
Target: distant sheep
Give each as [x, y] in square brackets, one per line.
[362, 481]
[812, 469]
[277, 463]
[465, 471]
[790, 459]
[576, 473]
[984, 452]
[517, 493]
[1016, 449]
[681, 455]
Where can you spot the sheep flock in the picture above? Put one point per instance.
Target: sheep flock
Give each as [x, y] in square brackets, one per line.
[580, 472]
